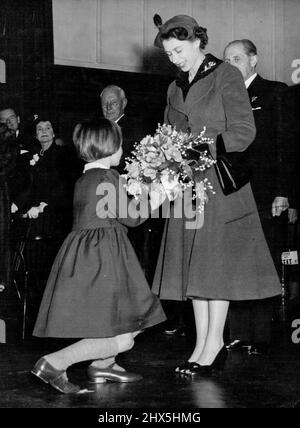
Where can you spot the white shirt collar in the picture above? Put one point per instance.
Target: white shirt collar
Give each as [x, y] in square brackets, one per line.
[119, 118]
[95, 164]
[250, 80]
[17, 133]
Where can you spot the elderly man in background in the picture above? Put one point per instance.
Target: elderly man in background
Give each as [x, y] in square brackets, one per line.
[113, 103]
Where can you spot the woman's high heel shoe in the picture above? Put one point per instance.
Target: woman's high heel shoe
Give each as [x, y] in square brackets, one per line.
[184, 367]
[217, 365]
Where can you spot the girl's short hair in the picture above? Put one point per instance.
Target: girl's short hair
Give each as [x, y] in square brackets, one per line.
[97, 139]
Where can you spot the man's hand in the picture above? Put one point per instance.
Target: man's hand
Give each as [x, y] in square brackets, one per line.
[279, 205]
[33, 212]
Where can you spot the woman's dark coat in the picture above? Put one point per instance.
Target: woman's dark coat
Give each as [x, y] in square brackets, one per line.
[228, 257]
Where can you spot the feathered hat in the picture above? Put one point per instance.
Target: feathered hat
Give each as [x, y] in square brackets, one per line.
[178, 21]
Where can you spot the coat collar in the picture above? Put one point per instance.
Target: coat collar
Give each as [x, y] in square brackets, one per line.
[209, 64]
[182, 96]
[121, 120]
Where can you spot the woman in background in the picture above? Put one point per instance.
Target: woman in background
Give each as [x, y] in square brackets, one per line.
[50, 198]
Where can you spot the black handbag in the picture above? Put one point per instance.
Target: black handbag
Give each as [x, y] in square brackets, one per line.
[232, 168]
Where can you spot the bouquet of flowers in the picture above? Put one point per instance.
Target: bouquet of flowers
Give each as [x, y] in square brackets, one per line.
[172, 161]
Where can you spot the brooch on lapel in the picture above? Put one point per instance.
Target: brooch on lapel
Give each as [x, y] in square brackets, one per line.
[254, 98]
[209, 66]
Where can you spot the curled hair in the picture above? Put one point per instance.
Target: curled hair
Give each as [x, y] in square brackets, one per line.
[97, 139]
[39, 119]
[182, 33]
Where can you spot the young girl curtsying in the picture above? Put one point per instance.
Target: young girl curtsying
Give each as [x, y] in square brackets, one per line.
[96, 290]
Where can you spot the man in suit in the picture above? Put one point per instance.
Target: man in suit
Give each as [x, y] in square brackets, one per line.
[113, 103]
[20, 179]
[292, 133]
[9, 116]
[250, 321]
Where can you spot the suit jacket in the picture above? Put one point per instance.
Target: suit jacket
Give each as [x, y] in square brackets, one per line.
[132, 133]
[23, 139]
[292, 136]
[267, 152]
[20, 180]
[7, 165]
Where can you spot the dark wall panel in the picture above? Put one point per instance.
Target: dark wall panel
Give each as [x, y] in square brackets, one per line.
[77, 93]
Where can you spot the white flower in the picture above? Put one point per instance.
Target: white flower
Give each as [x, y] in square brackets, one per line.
[171, 185]
[173, 153]
[133, 169]
[164, 160]
[150, 172]
[134, 187]
[34, 160]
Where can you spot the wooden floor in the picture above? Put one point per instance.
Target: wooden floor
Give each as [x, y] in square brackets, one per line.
[271, 381]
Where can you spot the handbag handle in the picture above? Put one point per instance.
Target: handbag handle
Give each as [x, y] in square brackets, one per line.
[220, 146]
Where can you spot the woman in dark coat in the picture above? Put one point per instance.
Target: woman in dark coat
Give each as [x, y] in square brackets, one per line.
[227, 258]
[8, 154]
[50, 198]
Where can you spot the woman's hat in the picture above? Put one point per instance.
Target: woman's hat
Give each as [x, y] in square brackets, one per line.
[178, 21]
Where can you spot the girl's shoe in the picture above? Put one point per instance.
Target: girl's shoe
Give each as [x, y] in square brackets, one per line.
[56, 378]
[97, 375]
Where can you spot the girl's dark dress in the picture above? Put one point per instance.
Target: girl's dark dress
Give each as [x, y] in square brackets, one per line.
[96, 287]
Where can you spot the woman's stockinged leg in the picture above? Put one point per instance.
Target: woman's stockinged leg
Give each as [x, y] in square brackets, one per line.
[202, 323]
[217, 313]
